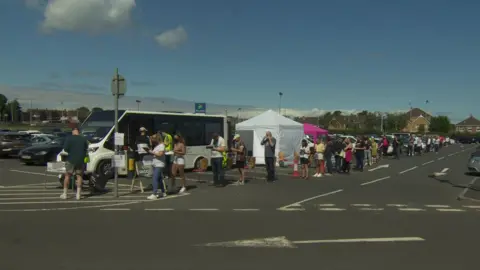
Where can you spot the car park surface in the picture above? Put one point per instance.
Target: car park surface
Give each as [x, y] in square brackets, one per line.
[381, 204]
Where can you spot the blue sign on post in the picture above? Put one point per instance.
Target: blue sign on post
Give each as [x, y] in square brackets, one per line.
[200, 108]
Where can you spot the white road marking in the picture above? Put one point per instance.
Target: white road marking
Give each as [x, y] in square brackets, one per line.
[115, 209]
[472, 206]
[437, 206]
[204, 209]
[326, 205]
[451, 154]
[68, 208]
[283, 242]
[246, 209]
[440, 158]
[374, 181]
[159, 209]
[428, 162]
[35, 173]
[361, 240]
[407, 170]
[397, 205]
[411, 209]
[371, 209]
[361, 204]
[465, 190]
[290, 209]
[332, 209]
[312, 198]
[449, 210]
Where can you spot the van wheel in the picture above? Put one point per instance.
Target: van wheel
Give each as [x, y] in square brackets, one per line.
[104, 168]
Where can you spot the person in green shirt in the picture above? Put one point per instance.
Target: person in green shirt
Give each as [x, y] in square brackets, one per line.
[76, 147]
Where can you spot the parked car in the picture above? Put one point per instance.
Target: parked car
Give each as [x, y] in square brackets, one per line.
[42, 153]
[474, 162]
[12, 142]
[38, 139]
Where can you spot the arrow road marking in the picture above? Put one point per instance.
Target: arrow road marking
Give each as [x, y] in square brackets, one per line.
[379, 167]
[283, 242]
[407, 170]
[295, 204]
[374, 181]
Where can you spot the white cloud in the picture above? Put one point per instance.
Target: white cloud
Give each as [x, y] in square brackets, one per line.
[172, 38]
[91, 16]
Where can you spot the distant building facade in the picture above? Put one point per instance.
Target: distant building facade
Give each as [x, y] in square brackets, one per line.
[469, 125]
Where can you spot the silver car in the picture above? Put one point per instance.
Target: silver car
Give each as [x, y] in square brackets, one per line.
[474, 162]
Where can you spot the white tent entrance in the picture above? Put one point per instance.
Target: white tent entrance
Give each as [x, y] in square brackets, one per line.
[288, 133]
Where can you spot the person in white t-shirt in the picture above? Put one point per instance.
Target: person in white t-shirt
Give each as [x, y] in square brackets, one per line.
[218, 146]
[158, 164]
[304, 158]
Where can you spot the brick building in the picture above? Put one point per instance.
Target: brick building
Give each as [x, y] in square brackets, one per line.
[469, 125]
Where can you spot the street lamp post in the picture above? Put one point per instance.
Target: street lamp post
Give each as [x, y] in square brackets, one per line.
[138, 104]
[238, 114]
[280, 95]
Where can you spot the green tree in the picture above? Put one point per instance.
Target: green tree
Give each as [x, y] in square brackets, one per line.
[97, 109]
[440, 124]
[13, 110]
[3, 105]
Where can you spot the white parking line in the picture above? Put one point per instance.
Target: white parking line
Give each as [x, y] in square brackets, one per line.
[451, 154]
[428, 162]
[450, 210]
[204, 209]
[291, 209]
[361, 204]
[35, 173]
[374, 181]
[371, 209]
[440, 158]
[332, 209]
[472, 206]
[115, 209]
[246, 209]
[397, 205]
[407, 170]
[159, 209]
[411, 209]
[437, 206]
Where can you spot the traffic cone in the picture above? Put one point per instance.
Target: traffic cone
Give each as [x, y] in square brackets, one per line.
[295, 168]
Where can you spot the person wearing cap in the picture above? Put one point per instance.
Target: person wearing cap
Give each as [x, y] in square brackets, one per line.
[76, 147]
[218, 147]
[142, 141]
[240, 152]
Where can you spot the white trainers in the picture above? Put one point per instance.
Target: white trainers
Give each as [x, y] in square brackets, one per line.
[152, 197]
[182, 190]
[78, 197]
[63, 196]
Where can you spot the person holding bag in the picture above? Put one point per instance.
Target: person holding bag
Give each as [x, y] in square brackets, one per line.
[320, 150]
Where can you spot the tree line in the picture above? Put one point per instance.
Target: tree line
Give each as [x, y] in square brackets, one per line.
[11, 111]
[371, 122]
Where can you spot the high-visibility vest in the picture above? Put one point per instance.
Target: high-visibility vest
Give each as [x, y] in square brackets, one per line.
[168, 142]
[224, 159]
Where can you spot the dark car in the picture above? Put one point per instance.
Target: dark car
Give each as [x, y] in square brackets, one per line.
[12, 142]
[43, 153]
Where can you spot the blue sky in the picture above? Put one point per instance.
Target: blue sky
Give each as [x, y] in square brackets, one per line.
[345, 54]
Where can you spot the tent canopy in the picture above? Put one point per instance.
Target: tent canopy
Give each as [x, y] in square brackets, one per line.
[268, 119]
[287, 133]
[314, 131]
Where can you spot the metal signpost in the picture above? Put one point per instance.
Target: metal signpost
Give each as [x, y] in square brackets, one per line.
[382, 116]
[119, 88]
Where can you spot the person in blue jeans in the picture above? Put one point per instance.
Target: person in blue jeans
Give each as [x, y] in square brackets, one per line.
[360, 153]
[158, 164]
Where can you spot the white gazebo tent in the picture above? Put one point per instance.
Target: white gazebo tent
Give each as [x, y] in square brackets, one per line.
[288, 133]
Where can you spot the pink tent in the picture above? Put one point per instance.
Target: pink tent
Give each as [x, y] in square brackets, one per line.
[314, 131]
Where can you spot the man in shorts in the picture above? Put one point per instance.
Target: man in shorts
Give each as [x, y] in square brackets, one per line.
[240, 152]
[76, 147]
